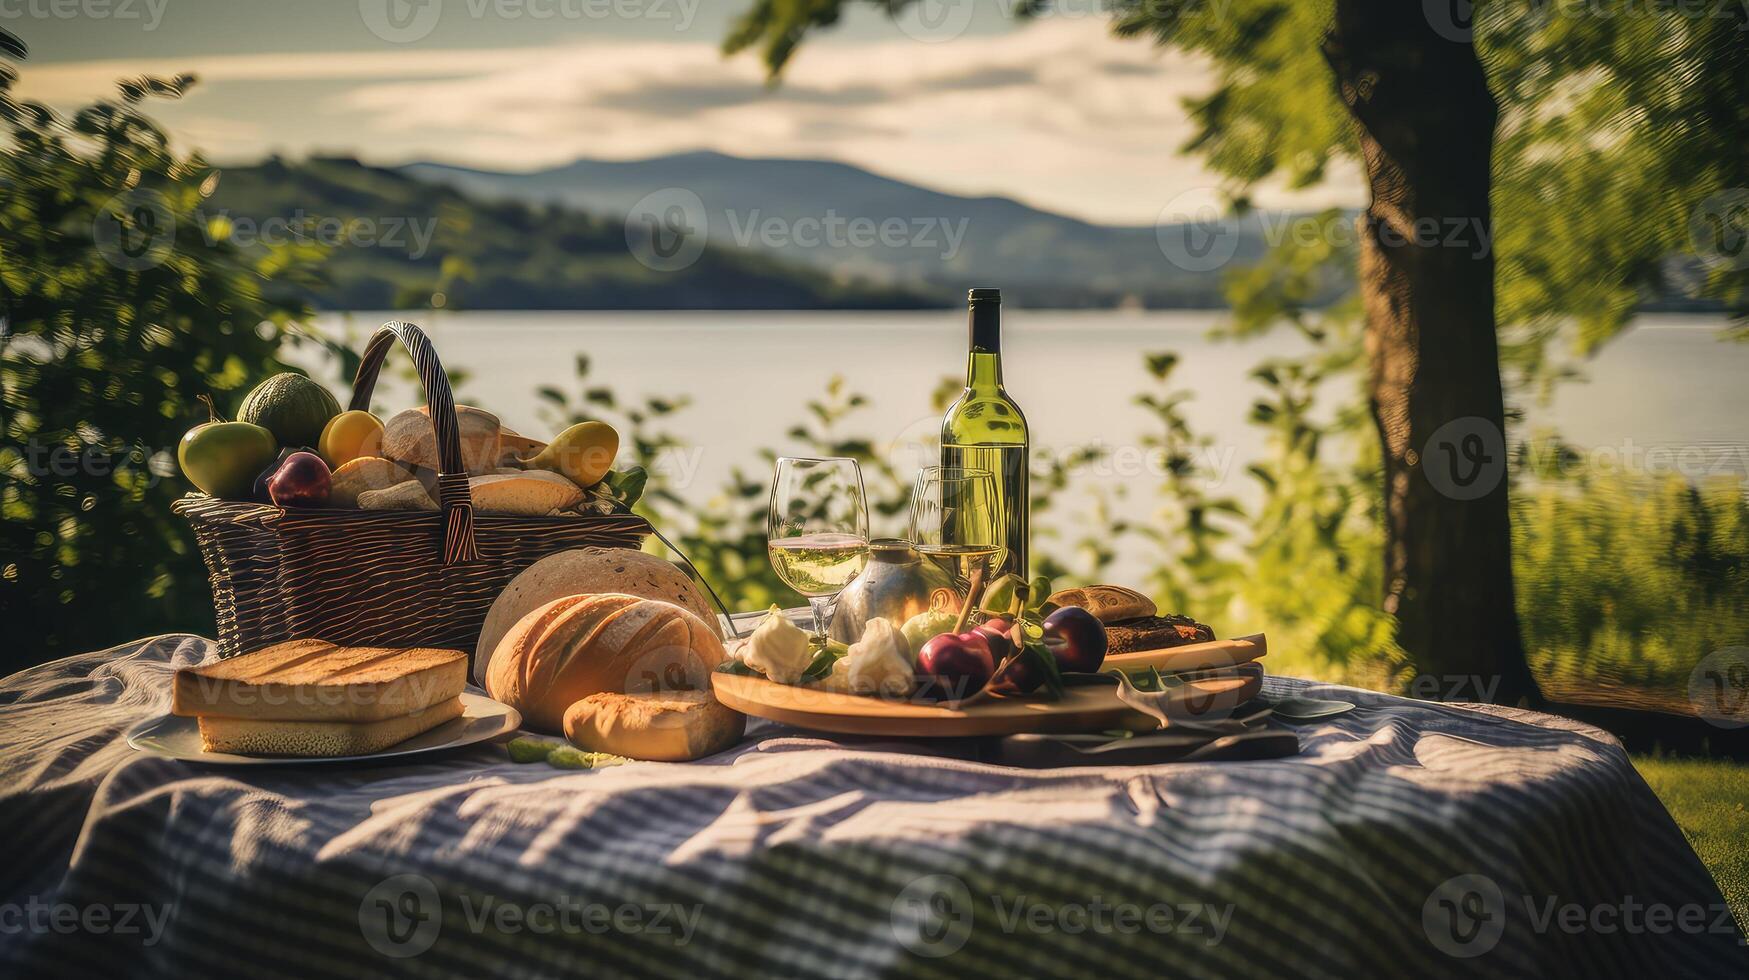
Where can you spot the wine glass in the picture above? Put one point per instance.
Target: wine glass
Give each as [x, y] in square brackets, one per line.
[956, 520]
[818, 530]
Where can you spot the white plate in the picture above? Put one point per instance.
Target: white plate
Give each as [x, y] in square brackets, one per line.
[173, 737]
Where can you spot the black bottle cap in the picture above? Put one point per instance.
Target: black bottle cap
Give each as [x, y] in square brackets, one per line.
[984, 295]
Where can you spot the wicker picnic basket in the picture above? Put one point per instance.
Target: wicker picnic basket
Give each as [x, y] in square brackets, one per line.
[380, 578]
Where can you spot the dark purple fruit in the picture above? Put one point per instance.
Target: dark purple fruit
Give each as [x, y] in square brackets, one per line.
[303, 480]
[1077, 638]
[960, 664]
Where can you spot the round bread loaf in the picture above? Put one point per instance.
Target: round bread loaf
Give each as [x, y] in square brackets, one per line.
[410, 439]
[673, 727]
[578, 646]
[584, 571]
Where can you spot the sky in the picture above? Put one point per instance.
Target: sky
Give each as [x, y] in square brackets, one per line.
[956, 96]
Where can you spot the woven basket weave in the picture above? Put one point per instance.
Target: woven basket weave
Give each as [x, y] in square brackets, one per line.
[380, 578]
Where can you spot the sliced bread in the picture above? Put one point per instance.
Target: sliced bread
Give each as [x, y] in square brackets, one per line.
[320, 739]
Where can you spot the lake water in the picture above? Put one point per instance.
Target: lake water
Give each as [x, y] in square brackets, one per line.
[1669, 393]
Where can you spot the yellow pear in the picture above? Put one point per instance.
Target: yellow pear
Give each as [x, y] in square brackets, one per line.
[583, 453]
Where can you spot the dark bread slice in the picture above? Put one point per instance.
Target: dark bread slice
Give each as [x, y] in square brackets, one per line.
[1155, 633]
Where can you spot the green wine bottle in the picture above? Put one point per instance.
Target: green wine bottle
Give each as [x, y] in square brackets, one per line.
[985, 430]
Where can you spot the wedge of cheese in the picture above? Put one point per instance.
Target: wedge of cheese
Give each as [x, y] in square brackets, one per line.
[255, 736]
[318, 681]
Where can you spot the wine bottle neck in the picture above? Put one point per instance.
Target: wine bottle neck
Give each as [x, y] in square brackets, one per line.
[984, 371]
[984, 365]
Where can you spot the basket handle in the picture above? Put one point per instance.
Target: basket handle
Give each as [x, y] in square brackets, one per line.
[453, 495]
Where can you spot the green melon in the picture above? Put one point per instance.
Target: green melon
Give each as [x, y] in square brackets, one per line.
[292, 407]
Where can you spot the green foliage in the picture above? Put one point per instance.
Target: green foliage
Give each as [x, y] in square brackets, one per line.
[118, 314]
[1627, 579]
[1618, 133]
[1191, 528]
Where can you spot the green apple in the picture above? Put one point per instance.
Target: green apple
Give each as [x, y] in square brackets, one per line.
[223, 458]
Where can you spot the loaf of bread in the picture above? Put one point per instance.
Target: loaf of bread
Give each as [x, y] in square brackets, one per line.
[579, 646]
[530, 493]
[410, 439]
[585, 571]
[327, 739]
[1108, 603]
[318, 681]
[365, 475]
[671, 727]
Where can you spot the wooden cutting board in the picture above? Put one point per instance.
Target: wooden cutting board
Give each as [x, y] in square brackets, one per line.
[1197, 656]
[1090, 708]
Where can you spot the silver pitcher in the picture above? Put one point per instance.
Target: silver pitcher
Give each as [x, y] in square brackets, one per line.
[897, 584]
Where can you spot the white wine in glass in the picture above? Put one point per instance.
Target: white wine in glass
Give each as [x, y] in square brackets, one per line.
[957, 520]
[818, 530]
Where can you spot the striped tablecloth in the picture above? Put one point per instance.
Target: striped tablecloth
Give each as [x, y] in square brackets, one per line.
[1405, 838]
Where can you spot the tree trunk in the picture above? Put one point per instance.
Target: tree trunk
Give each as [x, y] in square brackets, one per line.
[1426, 126]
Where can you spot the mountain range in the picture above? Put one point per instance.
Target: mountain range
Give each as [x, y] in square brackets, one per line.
[861, 226]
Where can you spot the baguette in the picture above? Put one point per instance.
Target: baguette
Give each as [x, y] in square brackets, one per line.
[318, 681]
[1108, 603]
[323, 739]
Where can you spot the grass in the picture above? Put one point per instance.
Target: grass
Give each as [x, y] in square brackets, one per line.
[1710, 801]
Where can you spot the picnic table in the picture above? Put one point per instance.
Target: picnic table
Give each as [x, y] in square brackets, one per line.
[1405, 837]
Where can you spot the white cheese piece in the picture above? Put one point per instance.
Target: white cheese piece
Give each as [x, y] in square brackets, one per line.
[778, 649]
[880, 662]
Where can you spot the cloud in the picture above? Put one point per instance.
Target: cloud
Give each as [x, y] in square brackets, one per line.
[1056, 113]
[65, 83]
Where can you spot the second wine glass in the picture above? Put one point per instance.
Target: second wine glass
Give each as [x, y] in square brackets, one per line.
[818, 530]
[956, 520]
